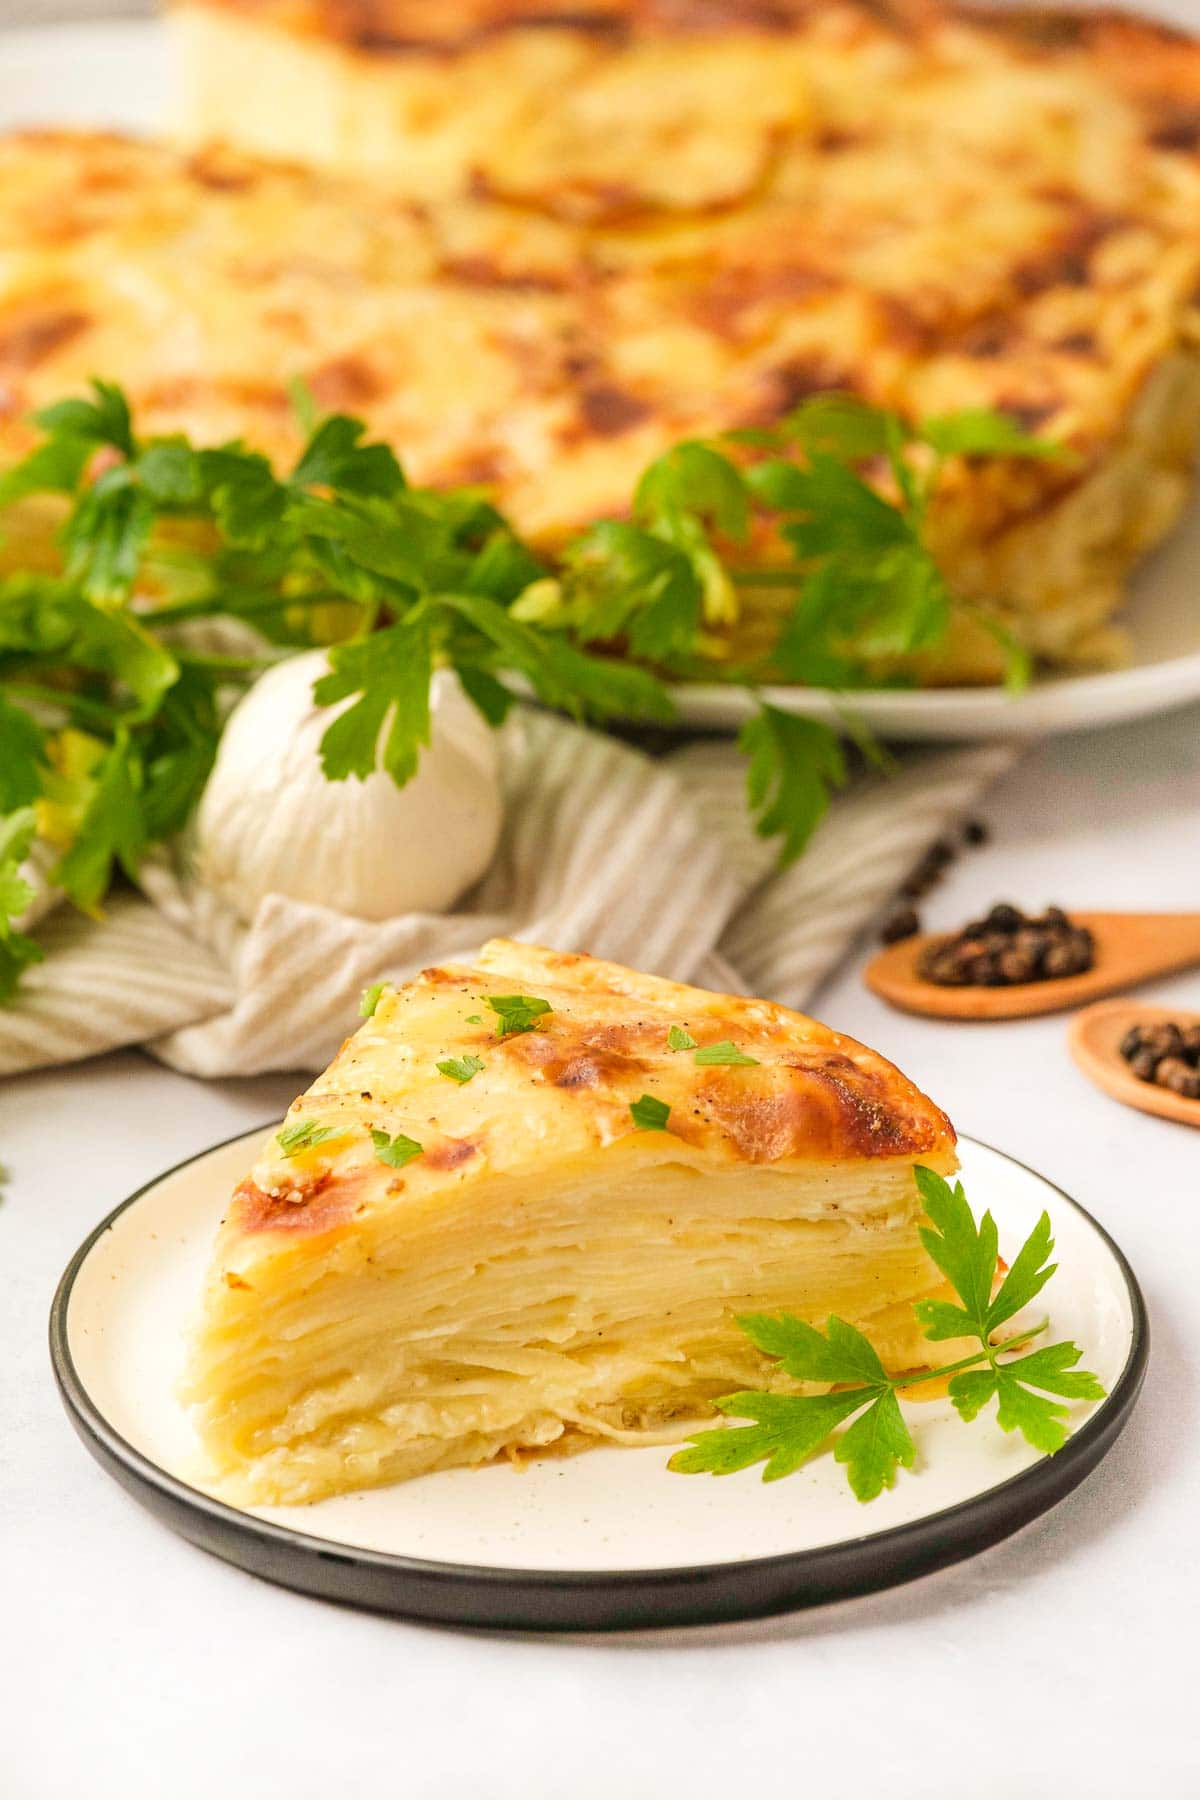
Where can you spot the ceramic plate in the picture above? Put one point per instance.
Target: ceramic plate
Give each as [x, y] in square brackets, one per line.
[120, 74]
[602, 1540]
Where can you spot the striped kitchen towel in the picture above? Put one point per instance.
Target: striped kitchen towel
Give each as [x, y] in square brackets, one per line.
[647, 861]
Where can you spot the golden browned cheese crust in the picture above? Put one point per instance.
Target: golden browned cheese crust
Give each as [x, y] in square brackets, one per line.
[587, 233]
[563, 1091]
[402, 27]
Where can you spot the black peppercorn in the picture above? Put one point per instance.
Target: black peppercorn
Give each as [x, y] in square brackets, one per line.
[1019, 964]
[900, 924]
[1163, 1040]
[1174, 1073]
[975, 832]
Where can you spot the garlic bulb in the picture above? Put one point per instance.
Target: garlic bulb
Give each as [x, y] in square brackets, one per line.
[270, 823]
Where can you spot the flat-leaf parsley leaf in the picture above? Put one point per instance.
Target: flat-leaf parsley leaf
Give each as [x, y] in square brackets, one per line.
[304, 1135]
[461, 1068]
[517, 1012]
[649, 1114]
[398, 1151]
[713, 1055]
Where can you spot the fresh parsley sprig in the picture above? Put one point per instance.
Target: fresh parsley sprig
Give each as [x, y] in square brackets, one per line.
[110, 719]
[789, 1428]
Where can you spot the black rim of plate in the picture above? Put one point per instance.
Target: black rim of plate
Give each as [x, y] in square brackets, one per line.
[591, 1600]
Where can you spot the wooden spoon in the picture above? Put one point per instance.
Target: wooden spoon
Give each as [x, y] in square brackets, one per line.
[1094, 1038]
[1130, 947]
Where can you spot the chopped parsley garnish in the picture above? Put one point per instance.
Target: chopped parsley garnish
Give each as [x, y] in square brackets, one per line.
[396, 1152]
[789, 1428]
[461, 1068]
[726, 1052]
[370, 999]
[304, 1135]
[679, 1039]
[517, 1012]
[474, 1019]
[649, 1114]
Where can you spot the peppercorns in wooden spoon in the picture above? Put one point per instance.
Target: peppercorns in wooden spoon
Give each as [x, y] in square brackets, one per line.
[1009, 965]
[1144, 1056]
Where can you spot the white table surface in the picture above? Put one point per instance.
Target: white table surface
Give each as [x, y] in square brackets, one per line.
[1060, 1662]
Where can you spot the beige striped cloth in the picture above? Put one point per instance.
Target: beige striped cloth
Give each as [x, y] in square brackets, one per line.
[650, 862]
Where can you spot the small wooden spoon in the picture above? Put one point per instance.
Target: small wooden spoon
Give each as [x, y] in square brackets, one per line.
[1130, 947]
[1094, 1037]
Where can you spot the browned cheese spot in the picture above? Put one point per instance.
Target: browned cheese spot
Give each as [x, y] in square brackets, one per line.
[449, 1153]
[1179, 129]
[484, 272]
[330, 1201]
[347, 381]
[1066, 260]
[28, 342]
[1028, 414]
[607, 411]
[831, 1107]
[573, 1056]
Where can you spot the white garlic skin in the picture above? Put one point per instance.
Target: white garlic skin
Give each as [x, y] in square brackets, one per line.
[270, 823]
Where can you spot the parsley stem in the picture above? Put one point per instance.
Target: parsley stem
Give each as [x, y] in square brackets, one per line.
[79, 704]
[771, 578]
[207, 605]
[987, 1354]
[235, 664]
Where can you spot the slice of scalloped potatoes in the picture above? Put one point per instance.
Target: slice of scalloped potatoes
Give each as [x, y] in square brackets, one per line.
[545, 1271]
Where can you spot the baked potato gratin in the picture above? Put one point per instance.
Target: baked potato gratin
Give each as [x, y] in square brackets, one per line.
[523, 1207]
[686, 214]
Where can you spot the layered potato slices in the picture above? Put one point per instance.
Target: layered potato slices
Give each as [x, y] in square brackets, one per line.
[423, 1271]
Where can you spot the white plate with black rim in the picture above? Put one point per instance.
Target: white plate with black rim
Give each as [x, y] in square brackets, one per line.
[609, 1539]
[121, 74]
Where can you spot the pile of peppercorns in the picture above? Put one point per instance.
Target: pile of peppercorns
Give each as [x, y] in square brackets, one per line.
[1168, 1055]
[1009, 947]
